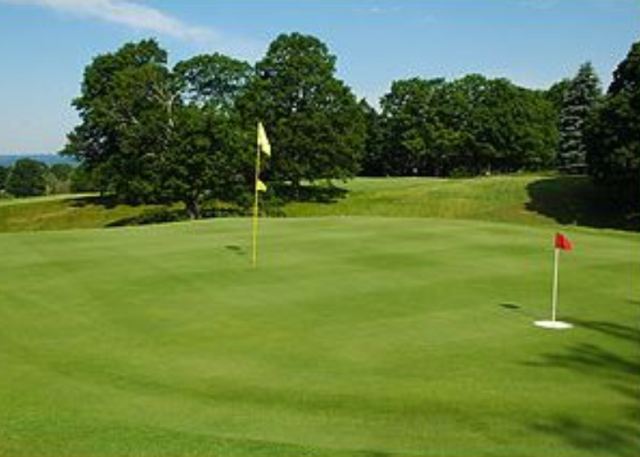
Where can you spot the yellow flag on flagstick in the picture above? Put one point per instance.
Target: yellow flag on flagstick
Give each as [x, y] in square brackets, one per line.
[264, 147]
[263, 141]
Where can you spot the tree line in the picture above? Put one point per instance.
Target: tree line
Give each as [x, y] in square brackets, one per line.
[30, 178]
[151, 132]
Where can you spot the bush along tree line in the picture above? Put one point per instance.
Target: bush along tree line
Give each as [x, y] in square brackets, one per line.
[29, 178]
[154, 133]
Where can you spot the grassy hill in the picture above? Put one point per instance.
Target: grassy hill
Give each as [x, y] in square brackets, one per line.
[354, 337]
[531, 200]
[63, 212]
[528, 199]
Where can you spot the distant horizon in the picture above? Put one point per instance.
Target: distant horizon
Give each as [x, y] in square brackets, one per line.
[27, 153]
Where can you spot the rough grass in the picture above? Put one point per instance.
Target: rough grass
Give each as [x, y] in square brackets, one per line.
[354, 337]
[62, 212]
[528, 199]
[531, 200]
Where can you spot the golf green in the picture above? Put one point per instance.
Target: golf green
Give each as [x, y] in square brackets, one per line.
[354, 336]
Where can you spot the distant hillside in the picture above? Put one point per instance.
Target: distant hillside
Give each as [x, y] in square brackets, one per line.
[49, 159]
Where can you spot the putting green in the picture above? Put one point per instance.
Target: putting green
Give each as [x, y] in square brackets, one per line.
[355, 336]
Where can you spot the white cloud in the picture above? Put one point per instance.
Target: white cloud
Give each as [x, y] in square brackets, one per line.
[128, 13]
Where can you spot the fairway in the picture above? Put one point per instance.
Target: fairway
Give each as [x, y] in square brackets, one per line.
[355, 336]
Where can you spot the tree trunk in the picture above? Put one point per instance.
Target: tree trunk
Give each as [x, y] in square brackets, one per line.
[296, 188]
[193, 209]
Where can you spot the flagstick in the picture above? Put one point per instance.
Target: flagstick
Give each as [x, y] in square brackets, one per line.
[554, 323]
[255, 207]
[554, 299]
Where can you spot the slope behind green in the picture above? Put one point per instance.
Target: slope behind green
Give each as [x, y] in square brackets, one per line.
[532, 200]
[527, 199]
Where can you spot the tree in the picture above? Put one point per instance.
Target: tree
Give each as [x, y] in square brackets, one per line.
[61, 171]
[83, 180]
[313, 119]
[613, 133]
[468, 126]
[373, 161]
[207, 159]
[27, 178]
[409, 120]
[214, 80]
[4, 173]
[126, 111]
[557, 92]
[151, 134]
[581, 96]
[209, 154]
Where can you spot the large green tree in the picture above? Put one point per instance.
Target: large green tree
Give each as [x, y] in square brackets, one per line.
[126, 109]
[410, 124]
[27, 178]
[215, 80]
[467, 126]
[580, 98]
[208, 159]
[150, 133]
[613, 133]
[313, 119]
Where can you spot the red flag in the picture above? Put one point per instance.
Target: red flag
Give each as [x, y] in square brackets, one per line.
[563, 243]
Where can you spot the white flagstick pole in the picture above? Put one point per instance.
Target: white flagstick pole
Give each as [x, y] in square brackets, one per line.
[554, 323]
[554, 299]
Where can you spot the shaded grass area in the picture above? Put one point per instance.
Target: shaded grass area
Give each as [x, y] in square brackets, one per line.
[91, 211]
[65, 212]
[354, 337]
[575, 200]
[531, 200]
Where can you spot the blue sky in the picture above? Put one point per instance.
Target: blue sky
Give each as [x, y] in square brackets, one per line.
[45, 44]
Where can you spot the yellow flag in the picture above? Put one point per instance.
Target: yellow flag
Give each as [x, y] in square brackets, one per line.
[260, 186]
[263, 141]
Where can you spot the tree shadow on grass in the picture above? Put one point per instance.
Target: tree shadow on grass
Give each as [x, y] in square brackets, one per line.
[312, 193]
[166, 215]
[614, 440]
[155, 216]
[619, 372]
[576, 200]
[107, 202]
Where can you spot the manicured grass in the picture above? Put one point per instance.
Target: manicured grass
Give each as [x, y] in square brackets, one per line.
[355, 336]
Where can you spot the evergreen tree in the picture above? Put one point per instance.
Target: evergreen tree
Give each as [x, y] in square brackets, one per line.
[580, 98]
[613, 133]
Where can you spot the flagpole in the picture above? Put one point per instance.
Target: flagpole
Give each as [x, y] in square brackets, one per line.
[554, 299]
[255, 207]
[561, 244]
